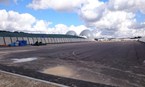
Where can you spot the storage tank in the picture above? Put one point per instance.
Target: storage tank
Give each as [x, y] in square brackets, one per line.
[87, 34]
[71, 33]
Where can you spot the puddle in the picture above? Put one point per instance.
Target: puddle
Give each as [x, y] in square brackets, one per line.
[144, 62]
[60, 71]
[24, 60]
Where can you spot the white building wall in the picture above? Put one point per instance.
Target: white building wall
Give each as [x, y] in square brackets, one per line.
[61, 40]
[14, 39]
[58, 40]
[35, 39]
[46, 39]
[39, 39]
[65, 40]
[49, 40]
[43, 40]
[68, 40]
[30, 40]
[7, 40]
[20, 38]
[2, 41]
[53, 40]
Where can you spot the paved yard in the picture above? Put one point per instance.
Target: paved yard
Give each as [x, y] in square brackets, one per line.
[111, 63]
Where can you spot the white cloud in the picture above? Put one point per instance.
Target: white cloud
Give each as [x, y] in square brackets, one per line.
[60, 5]
[63, 29]
[89, 10]
[127, 5]
[141, 5]
[137, 26]
[115, 18]
[14, 21]
[92, 11]
[118, 24]
[58, 29]
[122, 4]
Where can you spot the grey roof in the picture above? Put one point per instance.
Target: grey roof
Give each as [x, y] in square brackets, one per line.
[22, 34]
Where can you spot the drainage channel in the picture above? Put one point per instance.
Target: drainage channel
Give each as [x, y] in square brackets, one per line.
[56, 80]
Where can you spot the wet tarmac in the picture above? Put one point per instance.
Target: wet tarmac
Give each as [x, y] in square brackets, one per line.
[118, 64]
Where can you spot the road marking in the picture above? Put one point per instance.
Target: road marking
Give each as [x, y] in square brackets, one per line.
[74, 53]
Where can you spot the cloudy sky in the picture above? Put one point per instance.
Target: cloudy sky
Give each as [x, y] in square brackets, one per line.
[105, 18]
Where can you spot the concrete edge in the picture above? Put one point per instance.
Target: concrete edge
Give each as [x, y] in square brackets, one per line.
[30, 78]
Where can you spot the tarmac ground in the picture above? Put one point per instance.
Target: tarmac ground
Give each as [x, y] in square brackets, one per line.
[87, 64]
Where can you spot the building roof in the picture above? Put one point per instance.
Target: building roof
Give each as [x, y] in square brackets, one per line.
[22, 34]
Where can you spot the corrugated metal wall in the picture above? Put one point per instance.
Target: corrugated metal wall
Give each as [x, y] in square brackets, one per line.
[7, 38]
[2, 41]
[32, 40]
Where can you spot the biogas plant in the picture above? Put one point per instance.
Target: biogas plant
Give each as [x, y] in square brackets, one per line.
[22, 39]
[70, 60]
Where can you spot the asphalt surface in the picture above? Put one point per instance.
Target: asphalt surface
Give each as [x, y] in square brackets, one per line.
[10, 80]
[112, 63]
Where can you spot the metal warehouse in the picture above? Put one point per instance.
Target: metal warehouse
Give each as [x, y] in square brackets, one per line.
[7, 38]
